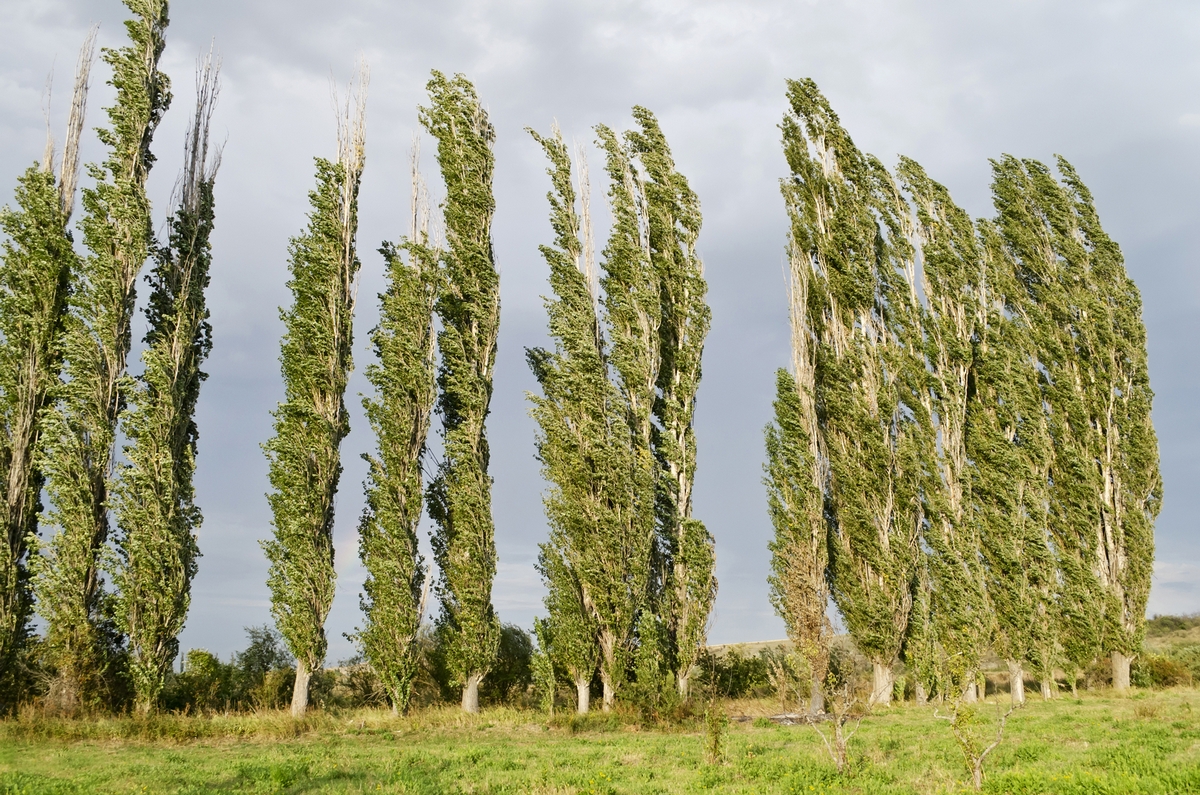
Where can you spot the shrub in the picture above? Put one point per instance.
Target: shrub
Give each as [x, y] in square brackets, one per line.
[1158, 670]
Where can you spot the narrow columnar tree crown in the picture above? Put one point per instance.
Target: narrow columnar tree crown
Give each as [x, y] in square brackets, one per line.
[310, 423]
[38, 259]
[849, 229]
[153, 497]
[687, 584]
[460, 496]
[80, 433]
[394, 590]
[952, 282]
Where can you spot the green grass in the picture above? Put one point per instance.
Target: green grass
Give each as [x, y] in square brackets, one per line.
[1146, 744]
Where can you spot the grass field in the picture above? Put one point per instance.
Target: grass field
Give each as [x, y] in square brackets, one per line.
[1149, 743]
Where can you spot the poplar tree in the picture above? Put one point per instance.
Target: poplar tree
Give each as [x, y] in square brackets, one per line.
[583, 444]
[952, 282]
[632, 314]
[687, 581]
[37, 262]
[460, 496]
[1033, 215]
[1106, 482]
[152, 496]
[1008, 443]
[797, 478]
[310, 423]
[404, 379]
[846, 225]
[79, 434]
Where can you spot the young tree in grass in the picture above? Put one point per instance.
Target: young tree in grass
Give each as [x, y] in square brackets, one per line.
[152, 497]
[583, 442]
[797, 477]
[80, 433]
[405, 390]
[38, 260]
[952, 281]
[310, 423]
[688, 582]
[847, 229]
[460, 497]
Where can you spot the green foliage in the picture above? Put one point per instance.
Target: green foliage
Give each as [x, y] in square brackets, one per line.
[403, 377]
[687, 579]
[1164, 670]
[584, 446]
[460, 496]
[795, 480]
[732, 674]
[848, 229]
[541, 668]
[37, 261]
[1106, 487]
[1158, 625]
[80, 433]
[310, 423]
[153, 497]
[511, 674]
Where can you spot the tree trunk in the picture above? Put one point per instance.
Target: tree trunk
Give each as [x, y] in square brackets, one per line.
[583, 690]
[922, 694]
[1120, 671]
[610, 695]
[977, 774]
[300, 689]
[816, 701]
[1047, 684]
[881, 689]
[683, 680]
[1016, 682]
[470, 696]
[971, 691]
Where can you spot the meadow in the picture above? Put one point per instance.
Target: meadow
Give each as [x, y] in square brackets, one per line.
[1098, 743]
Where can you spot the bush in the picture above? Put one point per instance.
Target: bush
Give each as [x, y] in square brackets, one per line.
[1165, 625]
[1158, 671]
[734, 674]
[512, 673]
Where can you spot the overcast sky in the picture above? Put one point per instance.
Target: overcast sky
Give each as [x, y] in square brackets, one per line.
[1113, 86]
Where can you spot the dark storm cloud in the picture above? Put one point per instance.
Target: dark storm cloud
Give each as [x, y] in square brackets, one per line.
[1111, 85]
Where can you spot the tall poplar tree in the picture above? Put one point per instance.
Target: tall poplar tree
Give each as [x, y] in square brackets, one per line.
[870, 369]
[583, 444]
[797, 479]
[632, 314]
[952, 282]
[310, 423]
[37, 261]
[1106, 482]
[404, 375]
[1033, 214]
[1009, 446]
[80, 433]
[153, 497]
[460, 496]
[688, 580]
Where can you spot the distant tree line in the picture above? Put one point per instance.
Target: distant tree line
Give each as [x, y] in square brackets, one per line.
[962, 454]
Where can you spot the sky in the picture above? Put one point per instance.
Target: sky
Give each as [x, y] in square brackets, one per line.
[1112, 86]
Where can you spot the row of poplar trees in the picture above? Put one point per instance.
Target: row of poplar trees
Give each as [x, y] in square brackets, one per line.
[962, 455]
[629, 572]
[627, 566]
[435, 348]
[66, 393]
